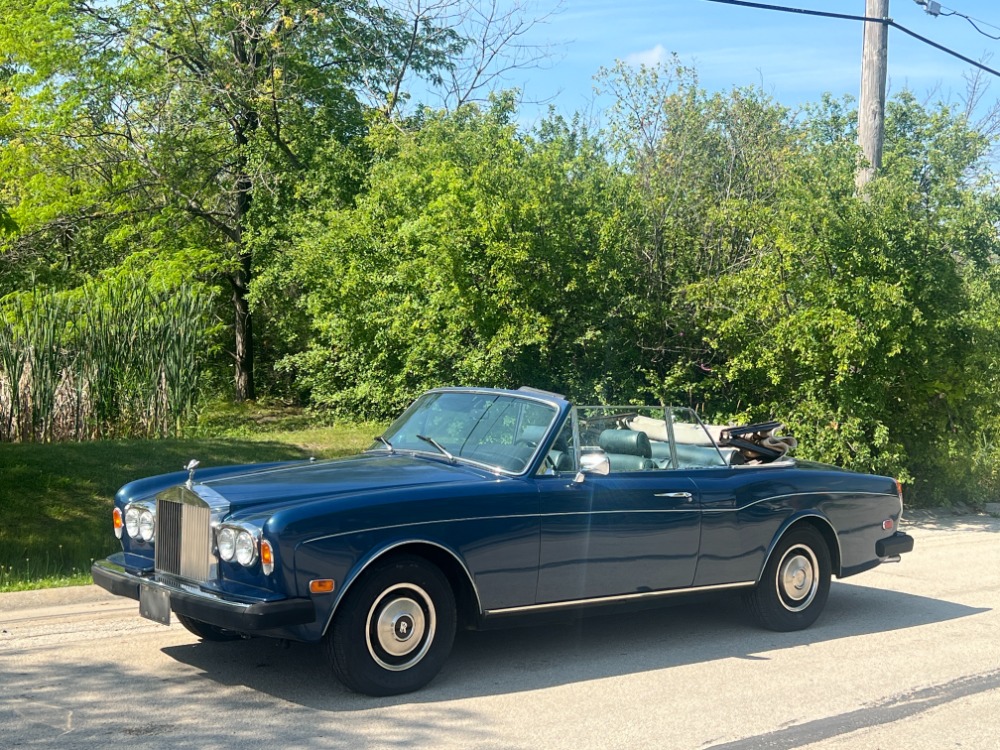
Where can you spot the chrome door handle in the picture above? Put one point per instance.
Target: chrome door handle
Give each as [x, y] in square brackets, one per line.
[685, 495]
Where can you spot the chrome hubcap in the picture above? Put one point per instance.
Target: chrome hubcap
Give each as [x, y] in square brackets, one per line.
[798, 578]
[400, 627]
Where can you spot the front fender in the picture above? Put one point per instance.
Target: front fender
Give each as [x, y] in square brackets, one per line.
[326, 559]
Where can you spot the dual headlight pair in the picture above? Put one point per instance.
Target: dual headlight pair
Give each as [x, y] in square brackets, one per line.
[140, 522]
[236, 544]
[243, 546]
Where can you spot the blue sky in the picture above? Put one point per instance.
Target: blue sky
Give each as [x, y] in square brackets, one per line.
[794, 58]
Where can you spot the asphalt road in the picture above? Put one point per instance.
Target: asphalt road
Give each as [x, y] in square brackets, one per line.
[905, 656]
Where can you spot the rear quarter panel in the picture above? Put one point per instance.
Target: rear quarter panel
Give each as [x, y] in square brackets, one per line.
[747, 509]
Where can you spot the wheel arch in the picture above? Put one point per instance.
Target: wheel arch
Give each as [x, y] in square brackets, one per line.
[467, 600]
[821, 524]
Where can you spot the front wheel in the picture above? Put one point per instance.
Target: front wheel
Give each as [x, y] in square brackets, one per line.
[796, 582]
[394, 630]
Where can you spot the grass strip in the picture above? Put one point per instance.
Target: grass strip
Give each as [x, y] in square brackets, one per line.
[56, 499]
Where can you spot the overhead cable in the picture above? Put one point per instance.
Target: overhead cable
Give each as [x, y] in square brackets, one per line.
[974, 22]
[869, 19]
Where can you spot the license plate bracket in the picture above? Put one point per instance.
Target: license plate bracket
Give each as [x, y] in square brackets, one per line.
[154, 604]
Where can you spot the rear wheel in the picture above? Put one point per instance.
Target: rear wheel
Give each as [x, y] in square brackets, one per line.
[394, 630]
[208, 632]
[796, 582]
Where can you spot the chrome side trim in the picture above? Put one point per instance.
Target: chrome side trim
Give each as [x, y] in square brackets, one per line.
[779, 464]
[791, 494]
[494, 518]
[619, 598]
[382, 553]
[691, 509]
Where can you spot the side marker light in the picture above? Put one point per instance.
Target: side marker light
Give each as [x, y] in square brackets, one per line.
[321, 586]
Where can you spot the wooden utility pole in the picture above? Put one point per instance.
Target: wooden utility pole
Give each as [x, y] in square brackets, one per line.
[871, 108]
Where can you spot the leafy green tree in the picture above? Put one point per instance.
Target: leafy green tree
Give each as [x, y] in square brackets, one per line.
[473, 255]
[701, 175]
[6, 223]
[772, 290]
[193, 107]
[852, 318]
[190, 110]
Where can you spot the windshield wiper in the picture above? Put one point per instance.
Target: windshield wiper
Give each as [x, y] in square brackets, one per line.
[385, 442]
[437, 445]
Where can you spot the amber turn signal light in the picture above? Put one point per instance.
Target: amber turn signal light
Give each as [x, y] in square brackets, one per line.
[321, 586]
[116, 520]
[266, 557]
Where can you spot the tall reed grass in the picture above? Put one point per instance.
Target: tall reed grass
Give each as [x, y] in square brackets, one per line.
[107, 360]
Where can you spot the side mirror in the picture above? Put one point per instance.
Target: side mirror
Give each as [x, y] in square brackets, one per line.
[595, 462]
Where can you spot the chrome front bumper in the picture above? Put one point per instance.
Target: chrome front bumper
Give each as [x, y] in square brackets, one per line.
[204, 606]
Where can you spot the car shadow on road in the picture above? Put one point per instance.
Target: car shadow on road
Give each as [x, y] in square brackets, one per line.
[496, 662]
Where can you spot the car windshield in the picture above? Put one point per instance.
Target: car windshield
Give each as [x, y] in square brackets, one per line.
[496, 430]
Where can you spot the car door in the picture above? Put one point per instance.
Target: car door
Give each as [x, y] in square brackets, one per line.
[625, 533]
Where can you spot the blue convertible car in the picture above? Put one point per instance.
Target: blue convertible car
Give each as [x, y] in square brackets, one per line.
[477, 506]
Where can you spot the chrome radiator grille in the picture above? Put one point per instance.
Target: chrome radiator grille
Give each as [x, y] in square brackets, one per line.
[183, 539]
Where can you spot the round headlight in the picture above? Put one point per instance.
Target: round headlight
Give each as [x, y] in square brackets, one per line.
[132, 521]
[227, 543]
[146, 525]
[246, 549]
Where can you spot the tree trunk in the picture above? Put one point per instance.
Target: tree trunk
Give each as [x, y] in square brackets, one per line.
[245, 389]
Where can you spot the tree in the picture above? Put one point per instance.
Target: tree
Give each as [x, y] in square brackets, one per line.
[701, 174]
[774, 291]
[855, 319]
[474, 254]
[203, 110]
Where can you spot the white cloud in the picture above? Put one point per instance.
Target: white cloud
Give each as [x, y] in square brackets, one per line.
[649, 57]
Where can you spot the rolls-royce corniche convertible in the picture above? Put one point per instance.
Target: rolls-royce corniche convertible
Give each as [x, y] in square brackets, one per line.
[478, 507]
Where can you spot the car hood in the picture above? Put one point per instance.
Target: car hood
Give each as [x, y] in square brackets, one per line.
[322, 479]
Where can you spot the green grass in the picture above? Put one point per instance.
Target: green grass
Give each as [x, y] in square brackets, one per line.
[56, 499]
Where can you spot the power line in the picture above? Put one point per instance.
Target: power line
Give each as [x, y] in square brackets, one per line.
[848, 17]
[972, 22]
[804, 11]
[934, 8]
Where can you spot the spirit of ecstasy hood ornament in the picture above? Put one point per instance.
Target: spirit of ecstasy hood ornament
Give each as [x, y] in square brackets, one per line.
[191, 466]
